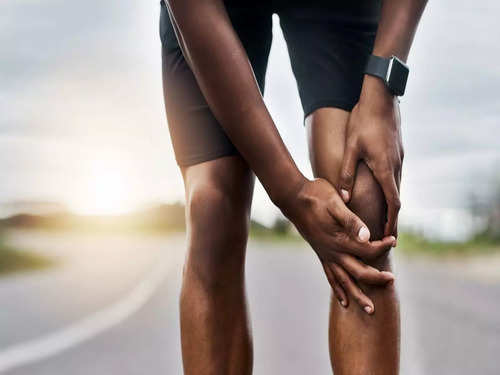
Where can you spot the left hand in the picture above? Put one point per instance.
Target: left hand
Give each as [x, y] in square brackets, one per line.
[374, 135]
[345, 275]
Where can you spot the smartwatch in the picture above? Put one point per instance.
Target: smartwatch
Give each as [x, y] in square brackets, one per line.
[391, 70]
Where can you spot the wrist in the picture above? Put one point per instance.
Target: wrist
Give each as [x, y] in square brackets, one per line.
[376, 95]
[286, 189]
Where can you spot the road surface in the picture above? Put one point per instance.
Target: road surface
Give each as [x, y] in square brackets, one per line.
[110, 307]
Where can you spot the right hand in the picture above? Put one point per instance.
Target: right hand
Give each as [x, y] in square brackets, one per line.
[324, 220]
[337, 236]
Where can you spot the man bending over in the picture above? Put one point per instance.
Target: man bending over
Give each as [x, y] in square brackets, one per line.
[348, 60]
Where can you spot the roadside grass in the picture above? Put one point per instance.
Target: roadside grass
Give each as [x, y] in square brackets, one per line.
[414, 244]
[261, 233]
[409, 243]
[14, 260]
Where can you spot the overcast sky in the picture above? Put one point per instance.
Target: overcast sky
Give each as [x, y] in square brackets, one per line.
[81, 108]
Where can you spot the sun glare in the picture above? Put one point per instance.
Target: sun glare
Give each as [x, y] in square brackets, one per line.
[105, 192]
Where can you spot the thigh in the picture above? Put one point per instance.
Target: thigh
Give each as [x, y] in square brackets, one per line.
[196, 134]
[326, 131]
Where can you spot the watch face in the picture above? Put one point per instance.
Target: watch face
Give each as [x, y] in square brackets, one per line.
[397, 75]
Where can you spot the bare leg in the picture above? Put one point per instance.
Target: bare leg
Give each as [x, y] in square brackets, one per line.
[215, 332]
[359, 343]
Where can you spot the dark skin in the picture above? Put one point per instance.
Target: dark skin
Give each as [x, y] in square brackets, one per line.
[353, 256]
[215, 328]
[315, 207]
[373, 131]
[359, 343]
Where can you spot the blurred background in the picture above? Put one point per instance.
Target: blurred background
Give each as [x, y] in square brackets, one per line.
[92, 216]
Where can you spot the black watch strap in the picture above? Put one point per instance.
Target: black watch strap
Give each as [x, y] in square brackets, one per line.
[377, 66]
[392, 71]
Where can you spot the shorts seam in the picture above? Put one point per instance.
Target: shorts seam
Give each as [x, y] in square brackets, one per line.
[335, 103]
[200, 158]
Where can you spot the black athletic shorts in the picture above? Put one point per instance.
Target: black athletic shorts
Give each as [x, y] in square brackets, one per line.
[328, 43]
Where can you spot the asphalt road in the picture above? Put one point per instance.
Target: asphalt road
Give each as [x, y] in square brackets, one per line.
[110, 307]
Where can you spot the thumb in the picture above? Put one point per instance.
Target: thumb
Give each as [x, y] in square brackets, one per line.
[359, 231]
[347, 172]
[352, 224]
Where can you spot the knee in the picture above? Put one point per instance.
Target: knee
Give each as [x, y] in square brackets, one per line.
[218, 221]
[217, 214]
[368, 202]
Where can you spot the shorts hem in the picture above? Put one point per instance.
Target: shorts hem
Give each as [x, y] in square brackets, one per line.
[333, 103]
[197, 159]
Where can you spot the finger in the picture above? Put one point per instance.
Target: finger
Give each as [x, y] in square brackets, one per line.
[337, 289]
[348, 171]
[391, 193]
[351, 223]
[398, 176]
[375, 249]
[366, 251]
[398, 182]
[363, 272]
[352, 289]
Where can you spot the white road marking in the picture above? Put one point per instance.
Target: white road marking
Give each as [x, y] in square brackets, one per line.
[56, 342]
[411, 351]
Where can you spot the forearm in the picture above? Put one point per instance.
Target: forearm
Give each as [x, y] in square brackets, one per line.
[226, 79]
[398, 23]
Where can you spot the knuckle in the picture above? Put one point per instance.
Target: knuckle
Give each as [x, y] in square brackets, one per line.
[347, 177]
[396, 203]
[336, 244]
[343, 281]
[350, 223]
[306, 200]
[332, 204]
[358, 298]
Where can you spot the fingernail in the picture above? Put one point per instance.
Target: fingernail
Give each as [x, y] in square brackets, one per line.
[343, 303]
[345, 194]
[394, 241]
[389, 275]
[364, 234]
[368, 309]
